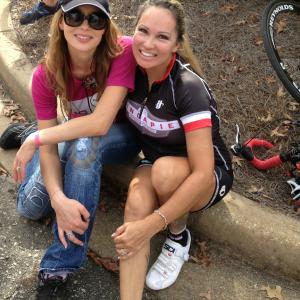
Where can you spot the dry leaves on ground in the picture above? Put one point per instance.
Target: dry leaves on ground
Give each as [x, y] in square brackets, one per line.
[237, 160]
[3, 172]
[12, 111]
[202, 256]
[206, 295]
[273, 293]
[107, 263]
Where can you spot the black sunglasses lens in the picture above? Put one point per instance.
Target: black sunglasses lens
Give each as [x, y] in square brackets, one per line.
[74, 18]
[97, 21]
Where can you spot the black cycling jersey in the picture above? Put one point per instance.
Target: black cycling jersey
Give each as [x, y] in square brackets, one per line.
[179, 103]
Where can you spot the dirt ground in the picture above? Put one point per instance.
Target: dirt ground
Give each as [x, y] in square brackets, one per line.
[226, 37]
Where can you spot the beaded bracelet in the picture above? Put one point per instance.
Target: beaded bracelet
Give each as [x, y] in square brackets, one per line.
[163, 217]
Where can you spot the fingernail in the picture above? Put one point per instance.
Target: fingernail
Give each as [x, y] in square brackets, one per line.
[113, 235]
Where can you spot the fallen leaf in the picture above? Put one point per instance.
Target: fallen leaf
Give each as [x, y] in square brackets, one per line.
[254, 190]
[222, 77]
[280, 26]
[237, 160]
[293, 106]
[239, 69]
[18, 117]
[257, 41]
[271, 79]
[228, 57]
[280, 92]
[279, 131]
[253, 19]
[202, 256]
[228, 8]
[205, 13]
[267, 197]
[129, 17]
[3, 172]
[266, 119]
[206, 295]
[107, 263]
[273, 293]
[289, 120]
[241, 22]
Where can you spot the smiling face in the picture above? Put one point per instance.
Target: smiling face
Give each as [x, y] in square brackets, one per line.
[155, 40]
[83, 38]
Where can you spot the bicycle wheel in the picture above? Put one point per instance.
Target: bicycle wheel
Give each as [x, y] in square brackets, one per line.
[281, 36]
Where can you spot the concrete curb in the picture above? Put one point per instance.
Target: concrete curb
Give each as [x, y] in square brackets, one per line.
[15, 68]
[270, 239]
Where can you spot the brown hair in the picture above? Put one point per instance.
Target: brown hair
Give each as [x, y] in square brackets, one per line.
[57, 60]
[176, 8]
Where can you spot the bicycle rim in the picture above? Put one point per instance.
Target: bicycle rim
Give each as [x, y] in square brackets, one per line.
[281, 35]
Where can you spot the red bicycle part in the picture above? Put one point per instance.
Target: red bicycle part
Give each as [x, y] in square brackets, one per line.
[263, 164]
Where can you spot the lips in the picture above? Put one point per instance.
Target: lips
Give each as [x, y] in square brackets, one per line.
[147, 54]
[83, 37]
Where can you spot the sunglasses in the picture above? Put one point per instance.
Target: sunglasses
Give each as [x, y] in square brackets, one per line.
[75, 18]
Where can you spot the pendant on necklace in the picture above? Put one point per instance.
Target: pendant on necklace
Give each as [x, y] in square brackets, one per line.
[89, 82]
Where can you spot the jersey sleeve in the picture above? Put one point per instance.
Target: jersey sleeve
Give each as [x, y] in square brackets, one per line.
[44, 98]
[123, 66]
[193, 104]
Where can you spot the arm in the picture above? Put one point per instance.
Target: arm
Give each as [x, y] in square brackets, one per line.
[201, 160]
[70, 214]
[96, 123]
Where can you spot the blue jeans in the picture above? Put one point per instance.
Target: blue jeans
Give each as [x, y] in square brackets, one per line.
[82, 163]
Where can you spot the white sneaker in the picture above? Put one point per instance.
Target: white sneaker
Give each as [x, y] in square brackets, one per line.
[165, 270]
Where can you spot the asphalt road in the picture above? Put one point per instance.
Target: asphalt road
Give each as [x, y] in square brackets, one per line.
[22, 245]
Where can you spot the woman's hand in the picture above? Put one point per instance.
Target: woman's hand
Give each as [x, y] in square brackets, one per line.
[131, 237]
[71, 216]
[23, 156]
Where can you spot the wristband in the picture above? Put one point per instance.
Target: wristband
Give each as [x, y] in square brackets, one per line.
[163, 217]
[37, 141]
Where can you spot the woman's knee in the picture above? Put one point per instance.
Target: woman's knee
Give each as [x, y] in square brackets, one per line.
[82, 153]
[140, 202]
[168, 173]
[34, 205]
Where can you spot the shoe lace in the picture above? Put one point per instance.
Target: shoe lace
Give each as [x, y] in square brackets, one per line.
[28, 130]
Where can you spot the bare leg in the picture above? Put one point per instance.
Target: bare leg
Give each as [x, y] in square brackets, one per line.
[141, 202]
[168, 173]
[50, 2]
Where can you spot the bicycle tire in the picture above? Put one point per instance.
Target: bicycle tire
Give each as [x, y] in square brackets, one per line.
[269, 18]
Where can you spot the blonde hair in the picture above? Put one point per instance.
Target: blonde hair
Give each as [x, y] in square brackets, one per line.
[176, 8]
[58, 65]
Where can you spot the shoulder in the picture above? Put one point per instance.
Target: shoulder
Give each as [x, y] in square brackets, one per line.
[39, 77]
[189, 83]
[39, 71]
[125, 41]
[126, 53]
[126, 44]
